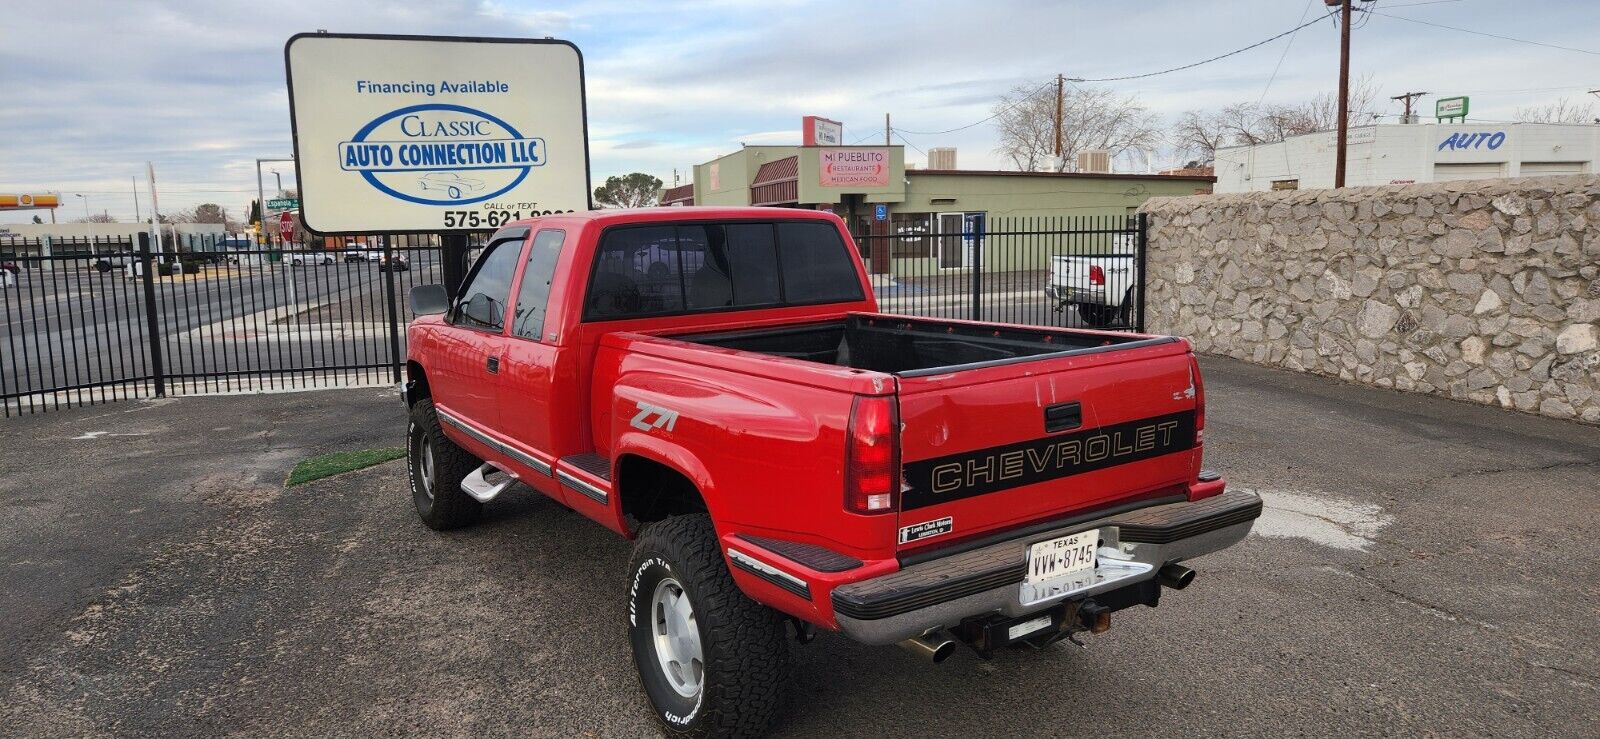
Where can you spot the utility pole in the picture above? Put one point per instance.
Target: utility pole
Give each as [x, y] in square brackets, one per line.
[1344, 88]
[136, 217]
[886, 140]
[1061, 81]
[1406, 98]
[155, 209]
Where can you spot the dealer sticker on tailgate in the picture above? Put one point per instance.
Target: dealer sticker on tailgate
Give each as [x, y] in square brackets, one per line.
[1060, 565]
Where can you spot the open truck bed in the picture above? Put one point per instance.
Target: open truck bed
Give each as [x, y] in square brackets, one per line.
[915, 347]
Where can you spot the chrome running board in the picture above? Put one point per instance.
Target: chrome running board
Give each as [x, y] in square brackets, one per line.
[478, 486]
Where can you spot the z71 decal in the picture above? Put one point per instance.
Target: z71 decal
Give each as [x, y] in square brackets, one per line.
[957, 476]
[654, 417]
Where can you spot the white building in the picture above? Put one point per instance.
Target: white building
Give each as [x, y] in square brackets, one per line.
[1395, 154]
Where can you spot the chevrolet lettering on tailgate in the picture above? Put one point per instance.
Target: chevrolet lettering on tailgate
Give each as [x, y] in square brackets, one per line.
[956, 476]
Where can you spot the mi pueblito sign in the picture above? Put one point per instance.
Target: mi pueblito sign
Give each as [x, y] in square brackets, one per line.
[422, 133]
[852, 167]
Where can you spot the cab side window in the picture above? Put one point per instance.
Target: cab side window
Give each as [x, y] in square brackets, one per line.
[537, 273]
[482, 303]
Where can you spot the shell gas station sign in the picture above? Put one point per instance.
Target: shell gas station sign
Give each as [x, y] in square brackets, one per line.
[20, 201]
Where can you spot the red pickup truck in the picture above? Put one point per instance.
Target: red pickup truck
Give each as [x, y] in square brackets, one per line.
[717, 384]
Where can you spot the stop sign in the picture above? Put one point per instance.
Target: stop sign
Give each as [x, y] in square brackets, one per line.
[286, 225]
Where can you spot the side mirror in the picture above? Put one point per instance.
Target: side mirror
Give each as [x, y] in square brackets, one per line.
[429, 300]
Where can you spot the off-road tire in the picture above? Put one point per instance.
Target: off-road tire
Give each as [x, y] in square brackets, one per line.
[746, 657]
[448, 507]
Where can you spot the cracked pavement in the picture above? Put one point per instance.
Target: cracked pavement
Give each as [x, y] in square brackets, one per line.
[1431, 567]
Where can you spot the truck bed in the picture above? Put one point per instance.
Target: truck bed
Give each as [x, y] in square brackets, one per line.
[911, 347]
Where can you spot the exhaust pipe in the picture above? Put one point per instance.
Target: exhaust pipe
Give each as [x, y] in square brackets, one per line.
[930, 646]
[1175, 576]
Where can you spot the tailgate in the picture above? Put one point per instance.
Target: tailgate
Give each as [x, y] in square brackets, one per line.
[999, 447]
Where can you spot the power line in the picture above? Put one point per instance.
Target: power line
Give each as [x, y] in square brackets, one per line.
[1488, 35]
[908, 143]
[1219, 57]
[1285, 54]
[997, 114]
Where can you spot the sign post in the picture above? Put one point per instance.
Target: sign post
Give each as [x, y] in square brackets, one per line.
[397, 134]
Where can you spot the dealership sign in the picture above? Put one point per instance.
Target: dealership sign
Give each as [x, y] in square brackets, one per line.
[847, 167]
[413, 133]
[1471, 140]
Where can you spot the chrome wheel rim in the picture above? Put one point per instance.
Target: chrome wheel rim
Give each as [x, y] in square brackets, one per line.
[425, 464]
[677, 638]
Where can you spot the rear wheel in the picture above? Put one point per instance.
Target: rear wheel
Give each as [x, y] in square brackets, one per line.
[711, 660]
[1106, 316]
[437, 466]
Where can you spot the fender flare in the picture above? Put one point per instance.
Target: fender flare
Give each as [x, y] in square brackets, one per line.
[672, 456]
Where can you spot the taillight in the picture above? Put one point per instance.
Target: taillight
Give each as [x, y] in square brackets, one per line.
[1198, 387]
[1097, 275]
[872, 456]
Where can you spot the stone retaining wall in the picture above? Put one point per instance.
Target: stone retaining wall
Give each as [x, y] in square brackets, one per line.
[1485, 290]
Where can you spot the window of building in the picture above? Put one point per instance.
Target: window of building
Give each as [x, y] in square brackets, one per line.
[534, 293]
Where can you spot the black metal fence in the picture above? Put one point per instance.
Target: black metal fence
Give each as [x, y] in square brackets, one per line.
[1077, 272]
[88, 321]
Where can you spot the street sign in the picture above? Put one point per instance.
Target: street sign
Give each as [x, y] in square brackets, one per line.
[1455, 107]
[283, 204]
[286, 225]
[881, 212]
[427, 133]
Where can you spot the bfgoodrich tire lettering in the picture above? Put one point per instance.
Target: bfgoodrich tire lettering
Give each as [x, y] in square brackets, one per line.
[436, 466]
[741, 642]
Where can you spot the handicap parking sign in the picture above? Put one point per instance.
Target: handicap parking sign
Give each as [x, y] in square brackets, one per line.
[881, 212]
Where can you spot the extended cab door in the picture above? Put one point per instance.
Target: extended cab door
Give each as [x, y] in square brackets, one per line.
[527, 398]
[466, 383]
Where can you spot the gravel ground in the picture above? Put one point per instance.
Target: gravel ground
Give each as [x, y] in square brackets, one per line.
[1423, 567]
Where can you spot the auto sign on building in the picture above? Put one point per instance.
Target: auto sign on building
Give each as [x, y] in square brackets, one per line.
[413, 133]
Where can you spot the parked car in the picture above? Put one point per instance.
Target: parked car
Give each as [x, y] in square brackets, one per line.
[1101, 288]
[396, 262]
[787, 457]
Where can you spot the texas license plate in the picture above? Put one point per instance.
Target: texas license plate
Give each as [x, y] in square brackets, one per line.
[1060, 565]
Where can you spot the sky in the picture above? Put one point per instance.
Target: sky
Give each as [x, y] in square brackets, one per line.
[91, 91]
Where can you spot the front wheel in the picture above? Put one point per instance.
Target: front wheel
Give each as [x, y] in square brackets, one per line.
[712, 661]
[436, 467]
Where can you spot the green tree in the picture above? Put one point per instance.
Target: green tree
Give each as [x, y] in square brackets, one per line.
[637, 190]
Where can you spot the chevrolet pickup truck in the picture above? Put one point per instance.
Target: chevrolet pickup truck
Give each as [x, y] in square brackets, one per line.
[716, 384]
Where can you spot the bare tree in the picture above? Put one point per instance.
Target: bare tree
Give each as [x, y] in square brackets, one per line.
[1200, 134]
[1092, 118]
[96, 218]
[1560, 111]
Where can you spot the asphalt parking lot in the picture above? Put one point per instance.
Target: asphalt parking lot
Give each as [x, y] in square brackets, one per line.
[1424, 567]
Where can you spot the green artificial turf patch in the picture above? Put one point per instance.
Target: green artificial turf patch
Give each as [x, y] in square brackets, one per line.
[337, 463]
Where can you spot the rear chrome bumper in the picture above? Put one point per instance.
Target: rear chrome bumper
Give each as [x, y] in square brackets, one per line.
[1065, 294]
[940, 593]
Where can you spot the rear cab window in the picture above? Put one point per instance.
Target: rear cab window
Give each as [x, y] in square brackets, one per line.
[675, 269]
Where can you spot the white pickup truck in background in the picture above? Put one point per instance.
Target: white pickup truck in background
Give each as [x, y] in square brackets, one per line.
[1100, 285]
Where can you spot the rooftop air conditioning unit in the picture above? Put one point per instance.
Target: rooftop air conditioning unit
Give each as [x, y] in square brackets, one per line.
[1094, 160]
[942, 157]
